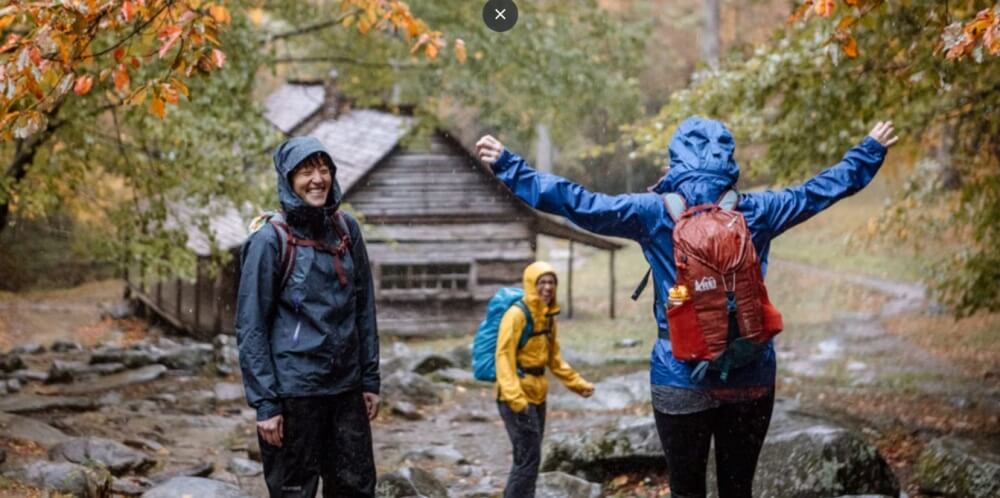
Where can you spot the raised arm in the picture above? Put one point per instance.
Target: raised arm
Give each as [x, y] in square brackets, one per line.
[786, 208]
[614, 215]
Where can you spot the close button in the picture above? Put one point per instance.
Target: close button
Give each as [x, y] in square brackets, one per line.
[500, 15]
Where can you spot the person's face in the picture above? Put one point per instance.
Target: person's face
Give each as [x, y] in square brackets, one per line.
[546, 287]
[312, 179]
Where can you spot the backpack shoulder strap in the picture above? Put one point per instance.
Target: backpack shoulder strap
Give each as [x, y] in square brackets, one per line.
[676, 205]
[341, 227]
[529, 326]
[729, 200]
[286, 249]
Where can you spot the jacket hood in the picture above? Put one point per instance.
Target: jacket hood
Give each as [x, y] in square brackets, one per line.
[531, 297]
[702, 167]
[287, 157]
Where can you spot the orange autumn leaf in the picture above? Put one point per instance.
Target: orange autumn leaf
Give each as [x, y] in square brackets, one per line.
[119, 54]
[850, 46]
[168, 93]
[846, 23]
[128, 10]
[825, 8]
[158, 108]
[220, 14]
[991, 39]
[460, 53]
[168, 36]
[11, 42]
[980, 24]
[801, 11]
[121, 77]
[83, 85]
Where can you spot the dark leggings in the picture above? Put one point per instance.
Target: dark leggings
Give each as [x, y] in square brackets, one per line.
[738, 430]
[326, 437]
[525, 430]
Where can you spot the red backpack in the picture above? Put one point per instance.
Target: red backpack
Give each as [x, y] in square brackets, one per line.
[727, 318]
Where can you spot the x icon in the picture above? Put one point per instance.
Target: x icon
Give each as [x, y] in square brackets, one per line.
[500, 13]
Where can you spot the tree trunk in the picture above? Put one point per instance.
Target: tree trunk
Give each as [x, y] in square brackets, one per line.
[24, 154]
[710, 33]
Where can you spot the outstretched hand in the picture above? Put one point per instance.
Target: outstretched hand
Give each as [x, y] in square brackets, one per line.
[885, 133]
[489, 149]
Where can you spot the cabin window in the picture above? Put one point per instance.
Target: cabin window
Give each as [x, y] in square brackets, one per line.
[415, 277]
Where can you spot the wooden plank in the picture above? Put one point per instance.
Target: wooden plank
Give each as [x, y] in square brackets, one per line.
[451, 232]
[497, 272]
[466, 252]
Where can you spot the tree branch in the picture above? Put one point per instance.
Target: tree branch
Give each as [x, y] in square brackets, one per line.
[306, 29]
[348, 60]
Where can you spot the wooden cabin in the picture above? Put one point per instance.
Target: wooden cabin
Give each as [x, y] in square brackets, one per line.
[443, 234]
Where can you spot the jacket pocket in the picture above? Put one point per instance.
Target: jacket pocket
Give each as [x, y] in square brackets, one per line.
[687, 340]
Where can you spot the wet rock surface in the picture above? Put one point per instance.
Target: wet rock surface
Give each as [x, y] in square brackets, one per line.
[952, 467]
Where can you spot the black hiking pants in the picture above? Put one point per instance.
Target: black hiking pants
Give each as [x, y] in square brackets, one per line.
[525, 430]
[738, 430]
[326, 437]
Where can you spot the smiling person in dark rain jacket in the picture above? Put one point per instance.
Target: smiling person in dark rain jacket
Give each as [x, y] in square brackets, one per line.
[307, 334]
[692, 410]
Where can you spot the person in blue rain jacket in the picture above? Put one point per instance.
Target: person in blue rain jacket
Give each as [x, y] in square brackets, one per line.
[309, 344]
[690, 414]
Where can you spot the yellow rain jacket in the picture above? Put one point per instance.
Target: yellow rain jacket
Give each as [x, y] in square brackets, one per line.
[540, 351]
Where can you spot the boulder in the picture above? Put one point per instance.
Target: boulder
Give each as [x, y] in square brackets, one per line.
[30, 429]
[954, 467]
[430, 363]
[28, 403]
[562, 485]
[454, 375]
[408, 386]
[630, 445]
[613, 393]
[244, 467]
[10, 362]
[65, 477]
[441, 454]
[116, 457]
[194, 486]
[65, 346]
[410, 482]
[227, 392]
[29, 348]
[406, 410]
[461, 356]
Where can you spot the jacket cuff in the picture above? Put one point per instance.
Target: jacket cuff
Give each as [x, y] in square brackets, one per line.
[873, 146]
[503, 162]
[267, 409]
[371, 387]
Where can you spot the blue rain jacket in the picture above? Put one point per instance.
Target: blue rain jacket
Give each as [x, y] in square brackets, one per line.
[314, 336]
[702, 168]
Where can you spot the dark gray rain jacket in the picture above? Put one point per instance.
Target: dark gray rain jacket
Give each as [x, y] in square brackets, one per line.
[314, 336]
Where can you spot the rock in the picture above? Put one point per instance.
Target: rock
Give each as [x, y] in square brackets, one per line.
[443, 454]
[203, 469]
[613, 393]
[30, 348]
[431, 363]
[65, 371]
[631, 445]
[953, 467]
[143, 444]
[561, 485]
[803, 456]
[140, 355]
[67, 478]
[3, 456]
[130, 486]
[119, 310]
[808, 456]
[627, 343]
[30, 429]
[227, 392]
[406, 410]
[244, 467]
[65, 346]
[165, 398]
[190, 357]
[194, 486]
[25, 376]
[408, 386]
[106, 368]
[475, 417]
[461, 356]
[117, 381]
[13, 385]
[11, 362]
[454, 375]
[410, 482]
[116, 457]
[227, 355]
[28, 403]
[253, 448]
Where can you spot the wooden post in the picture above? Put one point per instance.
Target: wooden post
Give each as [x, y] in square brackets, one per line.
[197, 297]
[217, 293]
[611, 268]
[179, 295]
[569, 282]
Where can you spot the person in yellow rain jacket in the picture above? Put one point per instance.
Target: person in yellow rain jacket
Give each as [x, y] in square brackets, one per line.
[521, 383]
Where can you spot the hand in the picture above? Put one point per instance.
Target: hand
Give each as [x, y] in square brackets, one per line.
[489, 149]
[272, 430]
[371, 404]
[588, 391]
[884, 133]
